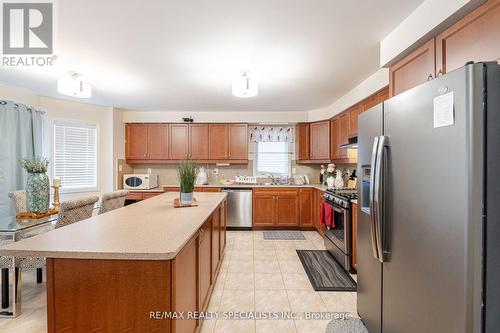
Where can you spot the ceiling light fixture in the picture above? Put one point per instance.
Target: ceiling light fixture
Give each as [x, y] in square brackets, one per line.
[245, 85]
[73, 85]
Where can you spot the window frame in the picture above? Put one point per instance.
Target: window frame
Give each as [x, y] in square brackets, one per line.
[80, 123]
[288, 153]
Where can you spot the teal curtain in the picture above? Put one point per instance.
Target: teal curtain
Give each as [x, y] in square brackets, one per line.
[21, 135]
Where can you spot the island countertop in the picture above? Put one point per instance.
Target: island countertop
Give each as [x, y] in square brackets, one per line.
[148, 230]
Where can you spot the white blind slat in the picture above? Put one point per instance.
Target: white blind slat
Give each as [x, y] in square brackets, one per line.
[75, 155]
[272, 158]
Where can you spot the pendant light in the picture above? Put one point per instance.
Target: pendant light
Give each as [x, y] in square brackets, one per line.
[245, 85]
[73, 85]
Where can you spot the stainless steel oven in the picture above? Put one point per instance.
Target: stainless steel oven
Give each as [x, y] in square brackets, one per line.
[338, 239]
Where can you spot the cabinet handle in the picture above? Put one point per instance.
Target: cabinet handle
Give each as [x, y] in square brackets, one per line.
[429, 77]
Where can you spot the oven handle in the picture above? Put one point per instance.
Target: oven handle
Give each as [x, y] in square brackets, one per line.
[378, 196]
[373, 217]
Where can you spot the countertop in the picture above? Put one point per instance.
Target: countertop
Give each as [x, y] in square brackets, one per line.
[316, 186]
[148, 230]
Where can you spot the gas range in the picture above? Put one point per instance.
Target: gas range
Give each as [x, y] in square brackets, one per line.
[341, 197]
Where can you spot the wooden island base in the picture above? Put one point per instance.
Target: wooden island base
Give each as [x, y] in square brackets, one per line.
[101, 295]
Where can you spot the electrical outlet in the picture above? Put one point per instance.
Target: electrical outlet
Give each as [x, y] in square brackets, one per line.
[149, 170]
[294, 171]
[120, 168]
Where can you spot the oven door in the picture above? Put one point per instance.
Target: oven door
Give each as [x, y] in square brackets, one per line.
[340, 233]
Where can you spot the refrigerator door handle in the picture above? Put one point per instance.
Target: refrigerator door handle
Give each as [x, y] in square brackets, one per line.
[378, 196]
[373, 217]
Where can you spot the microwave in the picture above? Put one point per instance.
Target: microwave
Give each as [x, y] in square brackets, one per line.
[140, 181]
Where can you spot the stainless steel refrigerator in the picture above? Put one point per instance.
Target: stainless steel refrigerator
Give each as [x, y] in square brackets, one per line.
[429, 207]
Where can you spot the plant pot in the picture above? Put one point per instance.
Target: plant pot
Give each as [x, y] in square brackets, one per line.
[330, 181]
[186, 198]
[37, 193]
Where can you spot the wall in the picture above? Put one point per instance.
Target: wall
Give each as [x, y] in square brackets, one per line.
[428, 19]
[58, 108]
[274, 117]
[374, 83]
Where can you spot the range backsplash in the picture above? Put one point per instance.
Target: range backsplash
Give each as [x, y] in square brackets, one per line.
[167, 173]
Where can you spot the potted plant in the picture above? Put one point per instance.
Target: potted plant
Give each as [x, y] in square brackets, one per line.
[187, 173]
[37, 185]
[329, 175]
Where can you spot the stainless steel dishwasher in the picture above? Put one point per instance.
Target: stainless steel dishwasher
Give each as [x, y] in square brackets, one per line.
[239, 207]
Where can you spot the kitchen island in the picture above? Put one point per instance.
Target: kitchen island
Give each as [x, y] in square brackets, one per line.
[128, 269]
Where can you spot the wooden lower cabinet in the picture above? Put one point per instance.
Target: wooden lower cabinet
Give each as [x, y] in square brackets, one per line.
[318, 201]
[138, 196]
[354, 211]
[185, 286]
[205, 262]
[283, 208]
[306, 207]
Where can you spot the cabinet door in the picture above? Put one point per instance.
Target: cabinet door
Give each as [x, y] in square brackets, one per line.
[302, 142]
[158, 141]
[136, 146]
[335, 138]
[218, 141]
[216, 233]
[306, 207]
[319, 203]
[211, 189]
[179, 141]
[205, 263]
[198, 141]
[320, 140]
[185, 285]
[414, 69]
[353, 120]
[476, 37]
[355, 235]
[382, 95]
[287, 209]
[238, 141]
[264, 209]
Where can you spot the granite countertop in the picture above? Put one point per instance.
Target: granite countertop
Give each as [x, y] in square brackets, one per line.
[316, 186]
[148, 230]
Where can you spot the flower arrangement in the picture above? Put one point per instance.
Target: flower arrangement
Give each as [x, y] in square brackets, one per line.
[35, 165]
[330, 171]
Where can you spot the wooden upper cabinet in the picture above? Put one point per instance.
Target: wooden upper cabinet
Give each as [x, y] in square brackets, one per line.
[302, 141]
[158, 140]
[320, 140]
[198, 141]
[353, 120]
[238, 142]
[136, 138]
[179, 141]
[476, 37]
[335, 138]
[218, 141]
[416, 68]
[382, 95]
[306, 207]
[344, 128]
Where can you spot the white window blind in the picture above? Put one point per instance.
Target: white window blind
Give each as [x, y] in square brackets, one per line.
[75, 156]
[272, 158]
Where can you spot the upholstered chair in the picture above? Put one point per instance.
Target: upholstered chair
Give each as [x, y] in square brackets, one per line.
[70, 212]
[19, 200]
[113, 200]
[75, 210]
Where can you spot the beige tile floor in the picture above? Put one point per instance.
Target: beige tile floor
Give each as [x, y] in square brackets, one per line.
[256, 275]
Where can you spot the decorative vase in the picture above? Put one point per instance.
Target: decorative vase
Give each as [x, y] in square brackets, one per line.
[330, 181]
[37, 193]
[186, 198]
[339, 181]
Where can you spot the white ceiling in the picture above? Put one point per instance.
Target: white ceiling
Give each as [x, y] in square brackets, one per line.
[182, 54]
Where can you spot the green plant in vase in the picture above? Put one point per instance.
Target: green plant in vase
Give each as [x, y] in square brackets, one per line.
[187, 172]
[37, 184]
